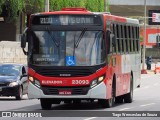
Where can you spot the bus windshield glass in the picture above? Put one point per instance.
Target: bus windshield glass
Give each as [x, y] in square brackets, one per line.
[67, 48]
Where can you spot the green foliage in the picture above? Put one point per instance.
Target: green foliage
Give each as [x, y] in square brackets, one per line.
[95, 5]
[14, 7]
[59, 4]
[1, 3]
[92, 5]
[33, 6]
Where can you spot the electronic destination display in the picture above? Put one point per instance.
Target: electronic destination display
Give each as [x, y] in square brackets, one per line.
[66, 20]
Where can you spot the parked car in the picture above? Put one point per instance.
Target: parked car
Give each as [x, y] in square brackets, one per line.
[13, 80]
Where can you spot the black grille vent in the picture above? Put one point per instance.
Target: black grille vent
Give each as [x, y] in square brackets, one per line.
[65, 72]
[75, 91]
[3, 84]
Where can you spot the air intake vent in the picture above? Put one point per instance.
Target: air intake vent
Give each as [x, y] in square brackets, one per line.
[3, 84]
[65, 72]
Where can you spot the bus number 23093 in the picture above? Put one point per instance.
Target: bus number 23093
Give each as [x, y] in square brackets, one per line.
[81, 82]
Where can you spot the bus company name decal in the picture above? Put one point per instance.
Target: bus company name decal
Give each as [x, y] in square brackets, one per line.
[52, 82]
[60, 82]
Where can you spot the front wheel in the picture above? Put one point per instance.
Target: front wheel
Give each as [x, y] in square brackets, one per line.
[119, 99]
[106, 103]
[45, 104]
[20, 94]
[109, 102]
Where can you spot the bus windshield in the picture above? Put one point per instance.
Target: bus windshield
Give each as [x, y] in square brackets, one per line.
[67, 48]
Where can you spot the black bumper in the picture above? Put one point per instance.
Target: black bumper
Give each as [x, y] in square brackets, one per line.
[9, 91]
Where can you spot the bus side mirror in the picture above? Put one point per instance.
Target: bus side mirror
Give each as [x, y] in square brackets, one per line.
[23, 40]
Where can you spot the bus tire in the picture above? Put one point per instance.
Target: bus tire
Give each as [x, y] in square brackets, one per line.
[119, 99]
[109, 102]
[128, 98]
[45, 104]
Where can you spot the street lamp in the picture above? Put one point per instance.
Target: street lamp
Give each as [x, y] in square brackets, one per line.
[105, 5]
[144, 40]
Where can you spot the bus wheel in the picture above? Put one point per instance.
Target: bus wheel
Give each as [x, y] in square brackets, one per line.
[109, 102]
[119, 99]
[45, 103]
[128, 98]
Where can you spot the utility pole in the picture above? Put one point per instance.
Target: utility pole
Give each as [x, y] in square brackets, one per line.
[105, 5]
[144, 39]
[46, 5]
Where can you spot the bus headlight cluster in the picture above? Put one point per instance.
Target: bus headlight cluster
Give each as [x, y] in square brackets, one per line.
[97, 81]
[34, 81]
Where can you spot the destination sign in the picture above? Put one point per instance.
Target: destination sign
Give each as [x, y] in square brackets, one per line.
[66, 20]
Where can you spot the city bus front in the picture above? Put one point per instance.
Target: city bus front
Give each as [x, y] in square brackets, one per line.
[66, 58]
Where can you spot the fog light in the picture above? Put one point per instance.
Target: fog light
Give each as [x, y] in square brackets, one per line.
[37, 83]
[94, 83]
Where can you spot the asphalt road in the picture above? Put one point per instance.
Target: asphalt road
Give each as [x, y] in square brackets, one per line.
[146, 98]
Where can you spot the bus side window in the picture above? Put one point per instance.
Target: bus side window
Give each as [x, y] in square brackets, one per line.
[109, 28]
[125, 37]
[113, 38]
[134, 39]
[137, 39]
[117, 39]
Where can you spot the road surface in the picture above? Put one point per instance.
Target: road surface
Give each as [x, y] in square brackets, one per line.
[146, 98]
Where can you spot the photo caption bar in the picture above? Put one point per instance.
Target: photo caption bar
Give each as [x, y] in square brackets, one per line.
[72, 113]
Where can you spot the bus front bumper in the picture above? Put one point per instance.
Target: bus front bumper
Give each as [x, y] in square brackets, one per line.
[97, 92]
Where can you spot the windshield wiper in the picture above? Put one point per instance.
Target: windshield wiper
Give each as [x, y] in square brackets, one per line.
[80, 37]
[52, 38]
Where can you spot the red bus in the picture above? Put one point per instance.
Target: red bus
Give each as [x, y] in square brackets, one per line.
[75, 55]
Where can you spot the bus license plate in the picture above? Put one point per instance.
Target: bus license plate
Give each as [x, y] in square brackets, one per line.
[65, 92]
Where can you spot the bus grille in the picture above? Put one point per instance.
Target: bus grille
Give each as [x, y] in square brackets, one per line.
[65, 72]
[75, 90]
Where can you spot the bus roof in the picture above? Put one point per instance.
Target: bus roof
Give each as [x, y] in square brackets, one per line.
[74, 10]
[71, 10]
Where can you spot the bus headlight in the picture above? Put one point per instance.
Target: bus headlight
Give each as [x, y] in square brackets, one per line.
[97, 81]
[31, 79]
[34, 81]
[100, 79]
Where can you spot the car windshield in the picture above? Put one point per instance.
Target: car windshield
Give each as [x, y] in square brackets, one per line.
[67, 48]
[9, 70]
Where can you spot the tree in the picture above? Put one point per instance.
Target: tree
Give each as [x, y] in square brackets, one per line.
[15, 7]
[1, 3]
